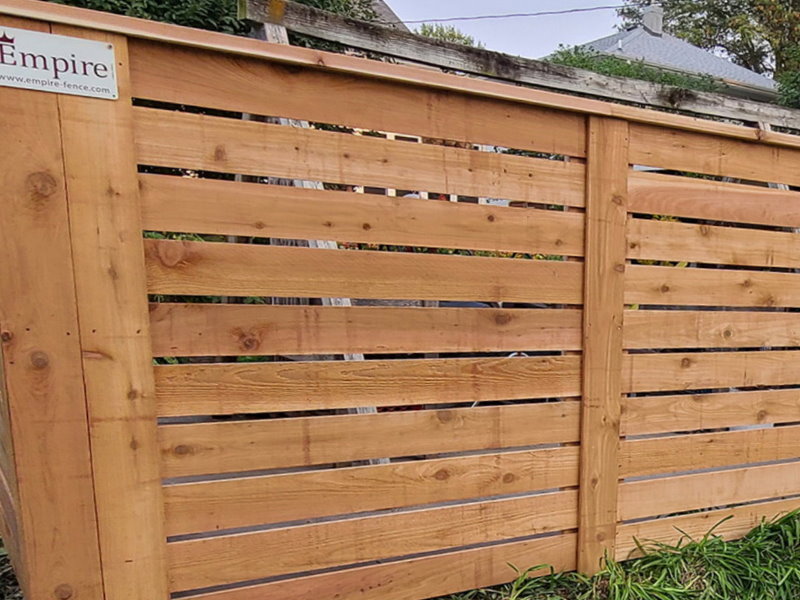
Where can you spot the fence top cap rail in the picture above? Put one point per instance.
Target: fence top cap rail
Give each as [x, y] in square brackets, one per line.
[196, 38]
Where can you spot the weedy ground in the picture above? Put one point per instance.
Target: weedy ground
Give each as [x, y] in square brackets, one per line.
[764, 565]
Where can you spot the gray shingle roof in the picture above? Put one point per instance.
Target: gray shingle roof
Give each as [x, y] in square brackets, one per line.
[673, 53]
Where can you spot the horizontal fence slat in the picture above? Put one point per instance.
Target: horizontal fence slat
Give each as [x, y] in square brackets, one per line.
[214, 206]
[420, 577]
[703, 199]
[204, 268]
[200, 142]
[710, 329]
[291, 386]
[659, 240]
[202, 448]
[673, 529]
[687, 412]
[181, 76]
[252, 329]
[710, 287]
[231, 503]
[712, 155]
[650, 498]
[241, 557]
[709, 370]
[708, 450]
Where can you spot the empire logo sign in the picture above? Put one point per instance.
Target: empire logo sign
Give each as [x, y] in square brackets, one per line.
[56, 63]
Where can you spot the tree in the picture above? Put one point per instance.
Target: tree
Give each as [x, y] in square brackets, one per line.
[447, 33]
[761, 35]
[216, 15]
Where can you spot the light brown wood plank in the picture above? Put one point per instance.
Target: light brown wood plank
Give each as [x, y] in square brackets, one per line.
[660, 240]
[201, 268]
[223, 560]
[55, 545]
[709, 370]
[290, 386]
[702, 199]
[650, 498]
[246, 209]
[110, 283]
[185, 140]
[712, 155]
[433, 78]
[708, 450]
[202, 448]
[710, 329]
[226, 504]
[686, 412]
[420, 577]
[606, 200]
[672, 529]
[252, 329]
[710, 287]
[184, 76]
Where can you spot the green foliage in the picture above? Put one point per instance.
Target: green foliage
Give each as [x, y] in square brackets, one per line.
[789, 84]
[447, 33]
[590, 60]
[758, 34]
[215, 15]
[764, 565]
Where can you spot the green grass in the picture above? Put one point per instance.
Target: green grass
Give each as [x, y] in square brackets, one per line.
[764, 565]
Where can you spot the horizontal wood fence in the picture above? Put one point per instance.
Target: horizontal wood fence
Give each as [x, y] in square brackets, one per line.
[578, 352]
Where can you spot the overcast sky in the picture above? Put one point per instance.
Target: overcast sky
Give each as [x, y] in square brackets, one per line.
[532, 37]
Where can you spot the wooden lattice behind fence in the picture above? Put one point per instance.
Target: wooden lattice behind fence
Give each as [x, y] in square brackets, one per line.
[594, 344]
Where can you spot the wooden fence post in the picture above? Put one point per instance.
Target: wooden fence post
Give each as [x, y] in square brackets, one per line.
[111, 288]
[604, 283]
[48, 497]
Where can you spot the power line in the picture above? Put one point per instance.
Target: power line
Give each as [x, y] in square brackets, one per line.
[509, 16]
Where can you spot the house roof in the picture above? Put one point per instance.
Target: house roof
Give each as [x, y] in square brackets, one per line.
[664, 50]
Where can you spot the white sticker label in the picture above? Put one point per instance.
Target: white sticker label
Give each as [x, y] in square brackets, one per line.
[55, 63]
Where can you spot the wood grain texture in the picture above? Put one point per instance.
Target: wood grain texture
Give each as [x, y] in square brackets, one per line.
[186, 140]
[289, 386]
[171, 73]
[247, 556]
[650, 498]
[708, 370]
[233, 208]
[660, 240]
[54, 542]
[687, 412]
[395, 42]
[110, 284]
[712, 155]
[606, 200]
[711, 287]
[252, 329]
[710, 329]
[657, 194]
[303, 57]
[231, 503]
[419, 577]
[202, 448]
[708, 450]
[202, 268]
[672, 529]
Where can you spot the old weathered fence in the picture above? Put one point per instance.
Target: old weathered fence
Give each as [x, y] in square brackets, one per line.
[606, 372]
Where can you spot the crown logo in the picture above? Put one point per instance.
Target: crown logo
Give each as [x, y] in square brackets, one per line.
[4, 39]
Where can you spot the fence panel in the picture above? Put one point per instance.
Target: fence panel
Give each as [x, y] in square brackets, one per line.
[404, 328]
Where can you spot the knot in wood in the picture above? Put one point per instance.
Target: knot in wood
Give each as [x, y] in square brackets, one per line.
[63, 592]
[6, 336]
[41, 185]
[40, 360]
